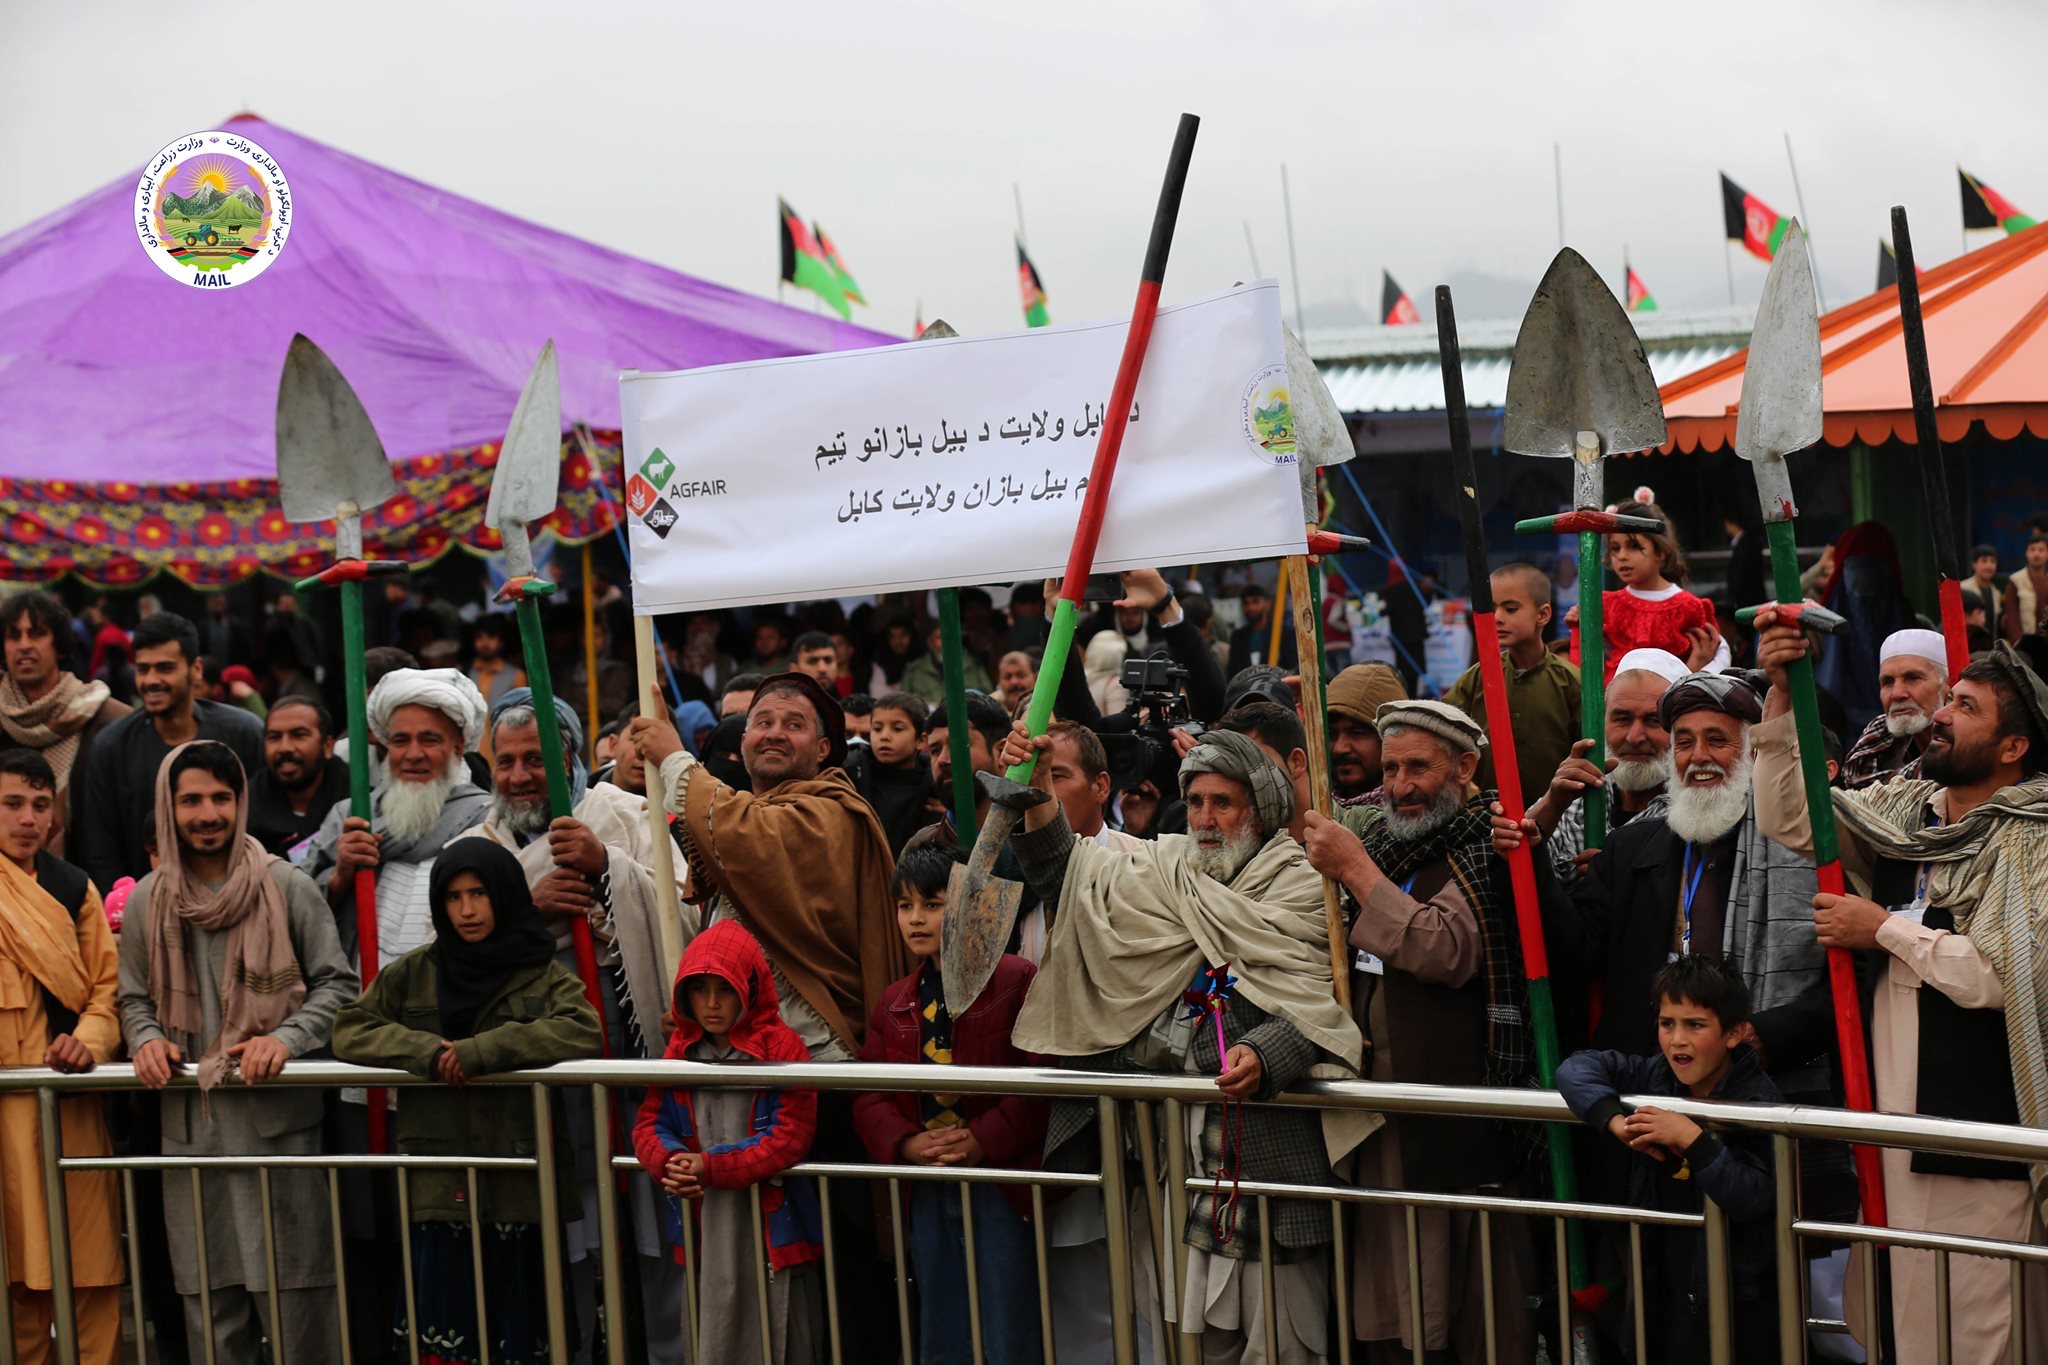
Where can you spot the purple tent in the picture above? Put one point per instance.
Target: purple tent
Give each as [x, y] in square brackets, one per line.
[140, 413]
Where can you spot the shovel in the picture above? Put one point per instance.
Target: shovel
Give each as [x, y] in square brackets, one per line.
[523, 490]
[1320, 439]
[1781, 413]
[1580, 388]
[332, 467]
[981, 910]
[1948, 561]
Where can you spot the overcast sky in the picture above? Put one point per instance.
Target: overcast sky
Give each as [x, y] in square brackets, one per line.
[1418, 136]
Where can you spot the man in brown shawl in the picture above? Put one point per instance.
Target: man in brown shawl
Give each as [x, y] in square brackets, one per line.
[45, 708]
[229, 959]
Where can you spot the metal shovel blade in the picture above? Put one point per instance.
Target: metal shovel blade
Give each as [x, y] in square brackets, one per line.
[981, 908]
[1579, 366]
[525, 485]
[1321, 438]
[328, 454]
[1781, 408]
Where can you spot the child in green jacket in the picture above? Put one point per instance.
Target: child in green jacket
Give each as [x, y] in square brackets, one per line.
[486, 996]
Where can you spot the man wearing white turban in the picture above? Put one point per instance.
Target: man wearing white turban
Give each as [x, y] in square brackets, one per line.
[1912, 684]
[423, 722]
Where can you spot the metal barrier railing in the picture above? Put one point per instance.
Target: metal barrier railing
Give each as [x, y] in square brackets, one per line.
[1159, 1197]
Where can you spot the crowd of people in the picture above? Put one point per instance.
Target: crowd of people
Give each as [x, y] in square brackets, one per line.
[181, 879]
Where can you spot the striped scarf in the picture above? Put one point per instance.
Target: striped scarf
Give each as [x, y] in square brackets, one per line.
[1989, 870]
[1465, 842]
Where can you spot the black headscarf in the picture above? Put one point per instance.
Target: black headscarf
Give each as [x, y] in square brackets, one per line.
[471, 974]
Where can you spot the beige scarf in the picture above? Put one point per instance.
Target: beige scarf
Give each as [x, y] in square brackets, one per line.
[1990, 870]
[54, 722]
[1132, 928]
[262, 986]
[39, 937]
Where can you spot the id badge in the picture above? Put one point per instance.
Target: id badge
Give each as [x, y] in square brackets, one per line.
[1368, 963]
[1913, 911]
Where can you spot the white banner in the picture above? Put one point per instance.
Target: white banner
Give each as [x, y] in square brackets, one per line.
[959, 461]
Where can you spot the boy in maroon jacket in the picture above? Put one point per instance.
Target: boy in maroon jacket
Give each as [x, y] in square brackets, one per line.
[911, 1024]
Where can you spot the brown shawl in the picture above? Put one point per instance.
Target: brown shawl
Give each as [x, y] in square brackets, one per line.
[262, 986]
[54, 724]
[807, 867]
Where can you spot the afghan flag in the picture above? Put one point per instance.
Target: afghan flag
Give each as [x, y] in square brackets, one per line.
[831, 253]
[1888, 265]
[804, 264]
[1032, 290]
[1640, 299]
[1984, 207]
[917, 328]
[1750, 221]
[1396, 308]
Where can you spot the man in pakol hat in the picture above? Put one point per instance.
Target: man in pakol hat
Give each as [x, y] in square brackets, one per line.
[1437, 987]
[1232, 898]
[1912, 684]
[1951, 875]
[1350, 702]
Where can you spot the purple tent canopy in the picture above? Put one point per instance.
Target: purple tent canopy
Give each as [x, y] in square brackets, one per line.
[433, 306]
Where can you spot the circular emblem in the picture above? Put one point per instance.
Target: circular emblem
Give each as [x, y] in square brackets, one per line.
[213, 210]
[1268, 417]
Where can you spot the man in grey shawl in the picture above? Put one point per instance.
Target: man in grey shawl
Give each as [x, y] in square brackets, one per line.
[229, 962]
[597, 863]
[1131, 933]
[1950, 874]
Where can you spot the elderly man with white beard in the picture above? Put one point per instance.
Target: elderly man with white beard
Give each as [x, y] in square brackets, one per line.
[1912, 684]
[1638, 761]
[1232, 898]
[598, 863]
[1438, 989]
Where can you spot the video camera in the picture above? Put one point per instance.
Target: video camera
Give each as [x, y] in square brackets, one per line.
[1138, 739]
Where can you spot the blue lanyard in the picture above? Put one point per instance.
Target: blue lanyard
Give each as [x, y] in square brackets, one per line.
[1692, 877]
[1409, 885]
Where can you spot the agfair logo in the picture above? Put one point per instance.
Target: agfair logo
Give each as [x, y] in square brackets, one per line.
[213, 210]
[1268, 416]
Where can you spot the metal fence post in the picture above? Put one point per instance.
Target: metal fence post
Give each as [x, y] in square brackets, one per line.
[63, 1302]
[1720, 1286]
[1791, 1301]
[1116, 1223]
[608, 1227]
[550, 1222]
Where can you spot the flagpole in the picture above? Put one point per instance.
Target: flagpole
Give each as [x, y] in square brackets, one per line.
[1805, 224]
[1557, 169]
[1017, 192]
[1293, 266]
[1728, 260]
[1248, 246]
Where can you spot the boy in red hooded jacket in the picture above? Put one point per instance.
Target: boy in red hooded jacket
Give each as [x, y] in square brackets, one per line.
[707, 1147]
[911, 1024]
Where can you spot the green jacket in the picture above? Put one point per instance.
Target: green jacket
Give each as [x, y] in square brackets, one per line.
[539, 1019]
[926, 676]
[1543, 713]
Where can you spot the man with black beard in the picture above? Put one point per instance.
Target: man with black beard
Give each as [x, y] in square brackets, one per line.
[1912, 684]
[300, 781]
[1638, 761]
[1438, 989]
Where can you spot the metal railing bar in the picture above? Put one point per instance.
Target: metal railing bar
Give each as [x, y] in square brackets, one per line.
[205, 1268]
[1269, 1301]
[1418, 1346]
[274, 1294]
[1912, 1240]
[476, 1267]
[1489, 1319]
[896, 1220]
[831, 1270]
[1608, 1213]
[340, 1261]
[974, 1344]
[336, 1161]
[608, 1228]
[1042, 1259]
[764, 1320]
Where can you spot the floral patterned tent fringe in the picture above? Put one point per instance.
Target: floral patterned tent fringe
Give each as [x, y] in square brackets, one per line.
[209, 535]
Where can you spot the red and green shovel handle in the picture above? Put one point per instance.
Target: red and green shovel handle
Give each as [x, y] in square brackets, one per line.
[349, 575]
[1820, 815]
[1507, 775]
[526, 593]
[1081, 560]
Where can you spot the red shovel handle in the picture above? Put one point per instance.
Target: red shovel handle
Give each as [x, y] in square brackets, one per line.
[1849, 1035]
[366, 954]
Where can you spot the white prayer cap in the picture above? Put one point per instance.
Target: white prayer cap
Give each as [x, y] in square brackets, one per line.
[440, 689]
[1921, 644]
[1662, 662]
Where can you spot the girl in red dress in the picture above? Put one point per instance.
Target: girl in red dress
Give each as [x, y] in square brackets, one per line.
[1652, 609]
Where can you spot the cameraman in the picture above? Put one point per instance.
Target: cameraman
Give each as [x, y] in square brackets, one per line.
[1146, 590]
